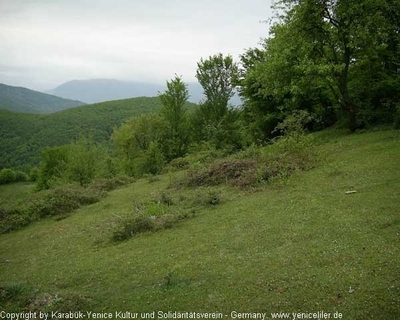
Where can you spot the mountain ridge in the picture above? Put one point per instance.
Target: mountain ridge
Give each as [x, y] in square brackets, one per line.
[100, 90]
[23, 136]
[24, 100]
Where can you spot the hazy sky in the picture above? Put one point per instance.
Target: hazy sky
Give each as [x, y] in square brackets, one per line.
[47, 42]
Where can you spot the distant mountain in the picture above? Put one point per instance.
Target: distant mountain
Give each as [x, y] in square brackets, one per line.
[98, 90]
[24, 136]
[28, 101]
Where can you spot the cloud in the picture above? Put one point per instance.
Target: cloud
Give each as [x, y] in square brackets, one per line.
[57, 41]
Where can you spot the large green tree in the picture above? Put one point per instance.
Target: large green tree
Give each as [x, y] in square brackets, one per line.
[218, 77]
[137, 144]
[328, 57]
[176, 137]
[213, 120]
[341, 37]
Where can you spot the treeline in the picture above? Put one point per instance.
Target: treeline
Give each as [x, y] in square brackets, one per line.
[24, 136]
[326, 62]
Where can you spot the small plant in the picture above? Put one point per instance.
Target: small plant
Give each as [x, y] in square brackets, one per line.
[127, 227]
[165, 198]
[108, 184]
[153, 178]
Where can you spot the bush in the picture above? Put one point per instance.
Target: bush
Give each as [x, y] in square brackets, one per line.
[179, 164]
[108, 184]
[220, 172]
[293, 151]
[47, 203]
[21, 176]
[62, 199]
[7, 176]
[34, 174]
[129, 226]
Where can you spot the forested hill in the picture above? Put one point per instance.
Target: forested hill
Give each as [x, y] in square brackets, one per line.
[25, 100]
[24, 136]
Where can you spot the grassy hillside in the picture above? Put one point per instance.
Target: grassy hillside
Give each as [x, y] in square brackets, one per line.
[24, 136]
[296, 245]
[20, 99]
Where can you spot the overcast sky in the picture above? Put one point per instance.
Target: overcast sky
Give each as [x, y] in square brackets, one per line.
[47, 42]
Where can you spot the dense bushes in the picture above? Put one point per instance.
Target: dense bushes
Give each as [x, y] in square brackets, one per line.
[9, 176]
[160, 212]
[56, 201]
[80, 162]
[47, 203]
[292, 151]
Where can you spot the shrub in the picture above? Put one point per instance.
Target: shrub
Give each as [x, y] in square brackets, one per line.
[153, 178]
[290, 153]
[129, 226]
[108, 184]
[165, 198]
[179, 163]
[61, 200]
[220, 172]
[7, 176]
[21, 176]
[47, 203]
[34, 174]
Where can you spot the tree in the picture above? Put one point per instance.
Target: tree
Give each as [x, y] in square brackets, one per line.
[278, 79]
[176, 137]
[134, 138]
[218, 75]
[341, 35]
[332, 58]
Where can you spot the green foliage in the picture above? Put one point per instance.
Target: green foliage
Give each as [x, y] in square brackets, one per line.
[24, 136]
[129, 226]
[335, 59]
[176, 136]
[148, 216]
[110, 183]
[56, 201]
[7, 176]
[295, 124]
[218, 172]
[292, 152]
[153, 160]
[79, 162]
[137, 144]
[85, 162]
[47, 203]
[213, 121]
[52, 166]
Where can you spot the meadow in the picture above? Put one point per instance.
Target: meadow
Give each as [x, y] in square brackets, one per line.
[326, 239]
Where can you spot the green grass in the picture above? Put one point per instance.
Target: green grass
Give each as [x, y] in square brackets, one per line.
[295, 245]
[15, 193]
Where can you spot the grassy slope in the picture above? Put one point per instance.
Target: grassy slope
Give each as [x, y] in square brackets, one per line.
[24, 100]
[299, 245]
[24, 136]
